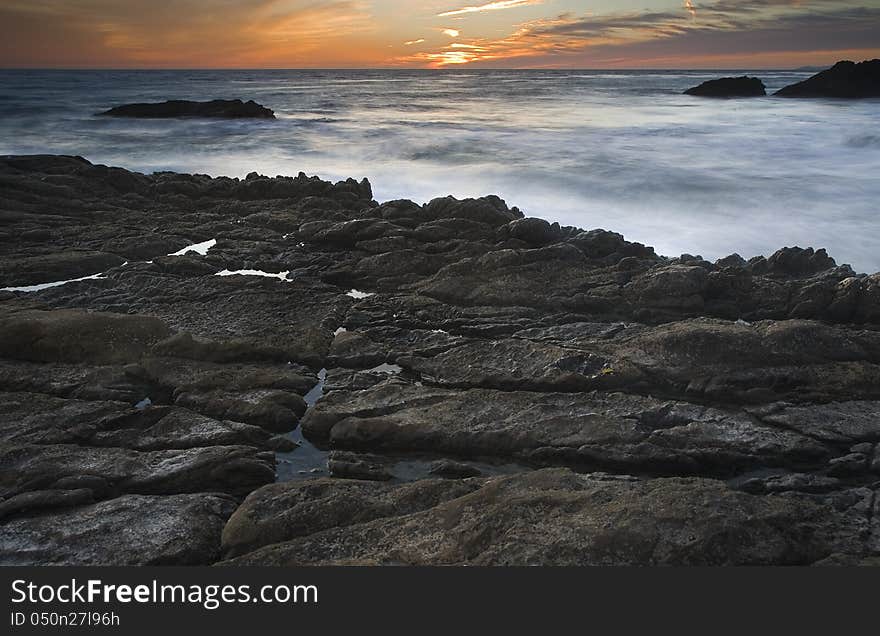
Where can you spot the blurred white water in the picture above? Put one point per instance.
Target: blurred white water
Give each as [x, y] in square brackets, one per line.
[624, 151]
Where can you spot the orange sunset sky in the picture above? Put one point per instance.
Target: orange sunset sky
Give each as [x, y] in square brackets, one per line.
[435, 33]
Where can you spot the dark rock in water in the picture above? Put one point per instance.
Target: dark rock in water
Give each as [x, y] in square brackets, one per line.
[218, 108]
[844, 80]
[729, 87]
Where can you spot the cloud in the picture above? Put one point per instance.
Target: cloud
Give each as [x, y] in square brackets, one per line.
[144, 33]
[356, 33]
[724, 31]
[491, 6]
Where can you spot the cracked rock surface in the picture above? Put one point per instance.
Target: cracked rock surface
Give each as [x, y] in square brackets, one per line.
[452, 383]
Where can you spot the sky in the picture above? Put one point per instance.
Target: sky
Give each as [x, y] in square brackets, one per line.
[436, 33]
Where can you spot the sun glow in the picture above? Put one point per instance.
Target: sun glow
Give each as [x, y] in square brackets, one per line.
[383, 33]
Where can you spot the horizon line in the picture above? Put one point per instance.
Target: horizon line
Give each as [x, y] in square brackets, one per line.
[426, 69]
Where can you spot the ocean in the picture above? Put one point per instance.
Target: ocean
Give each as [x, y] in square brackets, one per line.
[624, 151]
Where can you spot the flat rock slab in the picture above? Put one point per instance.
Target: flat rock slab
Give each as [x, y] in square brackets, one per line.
[78, 336]
[232, 469]
[50, 268]
[229, 319]
[702, 359]
[36, 418]
[128, 530]
[555, 517]
[599, 430]
[281, 512]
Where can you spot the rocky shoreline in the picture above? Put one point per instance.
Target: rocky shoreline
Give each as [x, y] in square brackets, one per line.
[499, 390]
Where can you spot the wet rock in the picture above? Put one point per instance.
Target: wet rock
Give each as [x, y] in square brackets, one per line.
[511, 277]
[852, 464]
[187, 266]
[515, 364]
[348, 233]
[184, 345]
[78, 336]
[734, 260]
[60, 266]
[281, 512]
[490, 210]
[276, 411]
[129, 530]
[41, 499]
[359, 466]
[794, 261]
[844, 80]
[790, 482]
[592, 430]
[218, 108]
[868, 301]
[491, 344]
[716, 360]
[534, 231]
[265, 395]
[555, 517]
[730, 87]
[835, 422]
[194, 375]
[610, 247]
[232, 469]
[677, 287]
[368, 348]
[228, 319]
[145, 246]
[454, 470]
[391, 269]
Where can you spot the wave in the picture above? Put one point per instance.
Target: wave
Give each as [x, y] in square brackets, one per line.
[864, 141]
[622, 150]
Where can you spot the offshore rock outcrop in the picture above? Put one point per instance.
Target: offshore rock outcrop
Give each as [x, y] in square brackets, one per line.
[730, 87]
[498, 389]
[214, 109]
[847, 80]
